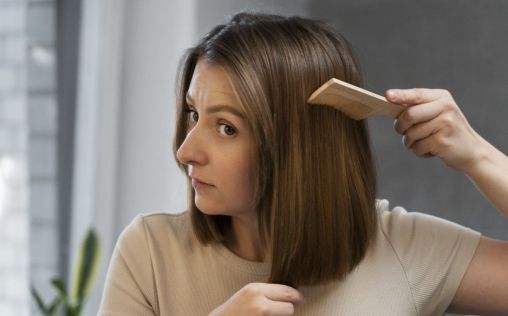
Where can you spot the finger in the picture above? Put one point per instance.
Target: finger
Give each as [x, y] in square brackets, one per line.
[426, 147]
[277, 308]
[418, 114]
[280, 292]
[415, 96]
[420, 131]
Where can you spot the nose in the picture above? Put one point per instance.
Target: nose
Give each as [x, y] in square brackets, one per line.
[191, 151]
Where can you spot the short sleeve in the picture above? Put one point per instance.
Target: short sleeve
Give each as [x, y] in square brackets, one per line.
[129, 287]
[434, 253]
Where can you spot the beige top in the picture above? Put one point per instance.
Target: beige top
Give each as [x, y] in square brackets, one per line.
[414, 268]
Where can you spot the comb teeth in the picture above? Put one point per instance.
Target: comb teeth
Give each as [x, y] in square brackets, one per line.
[353, 101]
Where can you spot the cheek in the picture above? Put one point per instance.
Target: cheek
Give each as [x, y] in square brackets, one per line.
[243, 177]
[248, 183]
[240, 181]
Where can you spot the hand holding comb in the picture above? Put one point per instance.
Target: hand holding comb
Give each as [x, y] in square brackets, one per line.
[353, 101]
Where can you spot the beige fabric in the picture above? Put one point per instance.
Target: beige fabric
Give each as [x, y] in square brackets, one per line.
[414, 268]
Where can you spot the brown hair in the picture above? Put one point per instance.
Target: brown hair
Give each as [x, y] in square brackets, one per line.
[316, 185]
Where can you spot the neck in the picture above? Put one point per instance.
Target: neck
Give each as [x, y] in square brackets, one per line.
[244, 240]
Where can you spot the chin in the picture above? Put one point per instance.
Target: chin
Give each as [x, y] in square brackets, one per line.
[209, 209]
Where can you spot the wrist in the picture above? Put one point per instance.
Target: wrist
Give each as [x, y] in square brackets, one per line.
[485, 157]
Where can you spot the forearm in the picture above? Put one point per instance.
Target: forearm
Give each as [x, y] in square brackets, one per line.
[490, 176]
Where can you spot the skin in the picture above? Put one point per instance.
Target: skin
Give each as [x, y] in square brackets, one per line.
[217, 151]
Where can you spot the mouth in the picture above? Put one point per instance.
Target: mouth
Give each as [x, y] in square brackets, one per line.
[198, 184]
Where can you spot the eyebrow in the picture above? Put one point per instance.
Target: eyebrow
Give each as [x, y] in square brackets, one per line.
[218, 108]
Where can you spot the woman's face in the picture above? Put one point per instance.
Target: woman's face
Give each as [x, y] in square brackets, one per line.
[217, 149]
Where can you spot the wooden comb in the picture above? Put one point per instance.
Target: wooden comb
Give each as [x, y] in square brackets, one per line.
[353, 101]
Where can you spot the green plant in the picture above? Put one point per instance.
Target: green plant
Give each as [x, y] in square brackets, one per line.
[84, 272]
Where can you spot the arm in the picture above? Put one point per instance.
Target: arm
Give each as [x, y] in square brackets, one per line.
[129, 288]
[490, 176]
[433, 125]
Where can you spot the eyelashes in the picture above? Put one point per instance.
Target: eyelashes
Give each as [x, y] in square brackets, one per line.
[191, 115]
[225, 129]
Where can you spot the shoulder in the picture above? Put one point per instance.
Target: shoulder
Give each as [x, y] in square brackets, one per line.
[162, 222]
[153, 228]
[433, 252]
[401, 226]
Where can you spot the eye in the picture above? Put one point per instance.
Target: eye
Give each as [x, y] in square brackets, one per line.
[227, 129]
[192, 115]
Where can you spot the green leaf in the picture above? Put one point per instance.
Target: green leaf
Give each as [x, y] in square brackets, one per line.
[86, 266]
[46, 310]
[53, 307]
[59, 286]
[40, 304]
[75, 311]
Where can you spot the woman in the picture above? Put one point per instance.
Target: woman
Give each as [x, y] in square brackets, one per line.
[282, 215]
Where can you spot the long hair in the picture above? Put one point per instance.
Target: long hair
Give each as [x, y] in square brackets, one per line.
[315, 184]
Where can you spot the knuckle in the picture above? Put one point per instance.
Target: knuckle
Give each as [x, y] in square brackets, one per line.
[409, 117]
[420, 150]
[447, 120]
[441, 141]
[445, 93]
[251, 290]
[419, 92]
[449, 105]
[404, 122]
[448, 102]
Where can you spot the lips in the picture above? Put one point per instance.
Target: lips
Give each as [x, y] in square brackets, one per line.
[200, 184]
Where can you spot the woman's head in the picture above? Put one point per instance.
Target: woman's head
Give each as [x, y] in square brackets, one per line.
[310, 167]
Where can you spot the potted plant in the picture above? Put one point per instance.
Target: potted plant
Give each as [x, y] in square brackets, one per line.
[84, 272]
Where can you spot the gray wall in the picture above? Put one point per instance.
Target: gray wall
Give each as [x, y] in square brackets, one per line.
[457, 45]
[211, 13]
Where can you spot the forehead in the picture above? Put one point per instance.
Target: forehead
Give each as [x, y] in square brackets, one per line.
[211, 82]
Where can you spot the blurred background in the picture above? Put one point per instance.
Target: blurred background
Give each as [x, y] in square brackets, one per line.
[87, 111]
